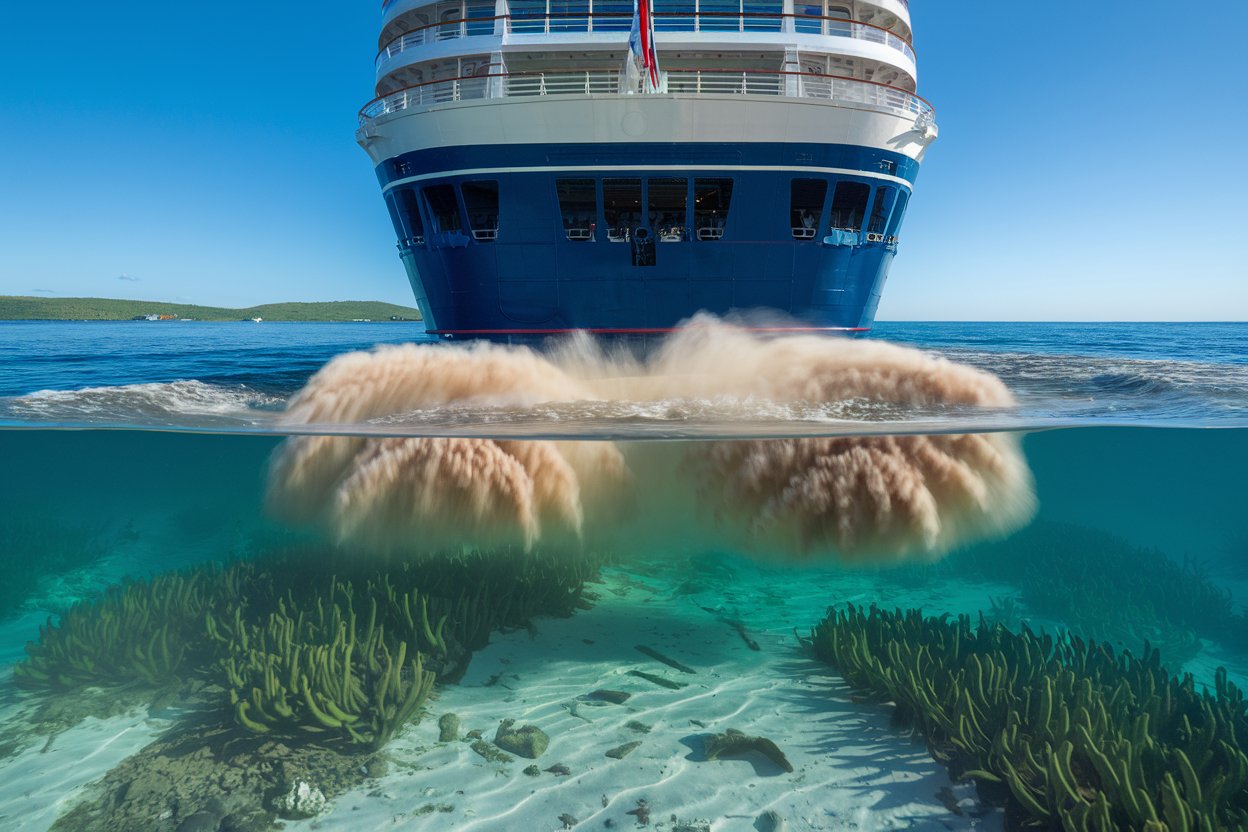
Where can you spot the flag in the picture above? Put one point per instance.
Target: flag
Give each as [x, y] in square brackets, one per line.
[642, 67]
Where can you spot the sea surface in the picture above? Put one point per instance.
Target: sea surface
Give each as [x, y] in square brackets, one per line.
[149, 576]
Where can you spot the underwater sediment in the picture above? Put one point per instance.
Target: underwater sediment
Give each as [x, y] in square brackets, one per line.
[853, 498]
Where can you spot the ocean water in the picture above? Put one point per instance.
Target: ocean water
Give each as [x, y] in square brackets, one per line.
[194, 637]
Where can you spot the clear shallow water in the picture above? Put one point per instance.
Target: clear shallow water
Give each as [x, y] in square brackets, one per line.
[1139, 534]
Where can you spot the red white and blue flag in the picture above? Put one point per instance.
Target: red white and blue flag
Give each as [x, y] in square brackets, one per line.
[643, 60]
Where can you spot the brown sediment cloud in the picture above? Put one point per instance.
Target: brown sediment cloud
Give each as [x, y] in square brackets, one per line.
[389, 493]
[854, 498]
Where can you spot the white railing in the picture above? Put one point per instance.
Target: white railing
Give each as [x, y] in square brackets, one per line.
[605, 22]
[844, 91]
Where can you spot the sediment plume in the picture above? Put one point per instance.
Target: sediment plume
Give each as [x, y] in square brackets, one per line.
[853, 498]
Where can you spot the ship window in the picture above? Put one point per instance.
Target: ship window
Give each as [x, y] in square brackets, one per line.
[806, 206]
[569, 15]
[899, 212]
[528, 16]
[443, 207]
[481, 200]
[578, 203]
[411, 228]
[612, 16]
[480, 19]
[621, 207]
[674, 15]
[711, 198]
[668, 198]
[763, 15]
[719, 15]
[836, 27]
[884, 198]
[808, 18]
[849, 204]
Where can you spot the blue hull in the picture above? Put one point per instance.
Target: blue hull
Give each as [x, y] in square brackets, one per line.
[523, 271]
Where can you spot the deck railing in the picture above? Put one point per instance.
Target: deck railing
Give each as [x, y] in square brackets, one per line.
[849, 92]
[727, 22]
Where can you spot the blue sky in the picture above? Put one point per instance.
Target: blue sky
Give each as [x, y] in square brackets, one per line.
[1089, 165]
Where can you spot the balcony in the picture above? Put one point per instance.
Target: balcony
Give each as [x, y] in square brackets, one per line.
[616, 27]
[846, 92]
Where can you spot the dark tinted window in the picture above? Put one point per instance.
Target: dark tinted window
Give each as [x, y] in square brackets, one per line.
[769, 19]
[849, 205]
[674, 15]
[899, 212]
[443, 207]
[884, 198]
[711, 198]
[410, 226]
[668, 199]
[612, 16]
[621, 207]
[578, 203]
[569, 15]
[806, 206]
[480, 18]
[481, 200]
[528, 16]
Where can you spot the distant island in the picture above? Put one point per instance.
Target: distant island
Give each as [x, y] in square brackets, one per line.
[20, 308]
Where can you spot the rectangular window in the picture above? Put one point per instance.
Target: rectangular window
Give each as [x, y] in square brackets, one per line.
[612, 16]
[806, 206]
[849, 205]
[621, 207]
[480, 18]
[880, 210]
[674, 15]
[578, 203]
[569, 15]
[443, 208]
[668, 198]
[719, 15]
[899, 213]
[528, 16]
[711, 198]
[481, 200]
[763, 15]
[412, 229]
[809, 18]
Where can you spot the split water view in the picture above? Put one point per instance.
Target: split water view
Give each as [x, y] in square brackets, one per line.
[526, 416]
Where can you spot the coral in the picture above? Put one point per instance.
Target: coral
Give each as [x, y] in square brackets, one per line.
[733, 743]
[526, 741]
[1068, 733]
[1105, 589]
[301, 650]
[448, 728]
[142, 630]
[622, 751]
[285, 675]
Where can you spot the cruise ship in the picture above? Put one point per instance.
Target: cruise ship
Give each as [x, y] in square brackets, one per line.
[761, 159]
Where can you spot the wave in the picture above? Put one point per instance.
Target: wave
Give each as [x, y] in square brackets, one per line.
[1051, 391]
[185, 403]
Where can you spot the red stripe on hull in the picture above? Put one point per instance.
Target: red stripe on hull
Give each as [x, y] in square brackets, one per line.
[641, 331]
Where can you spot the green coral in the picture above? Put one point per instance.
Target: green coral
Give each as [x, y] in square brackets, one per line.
[1105, 589]
[305, 645]
[1070, 734]
[143, 630]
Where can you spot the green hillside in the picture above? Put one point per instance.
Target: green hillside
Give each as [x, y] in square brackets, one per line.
[19, 308]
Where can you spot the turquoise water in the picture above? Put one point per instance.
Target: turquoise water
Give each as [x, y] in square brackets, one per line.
[1135, 439]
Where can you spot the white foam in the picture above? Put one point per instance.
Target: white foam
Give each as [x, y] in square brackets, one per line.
[142, 404]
